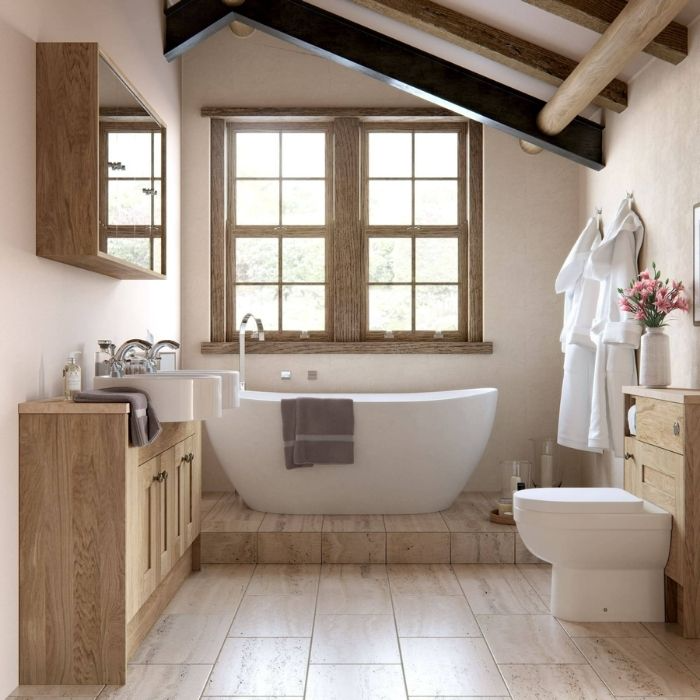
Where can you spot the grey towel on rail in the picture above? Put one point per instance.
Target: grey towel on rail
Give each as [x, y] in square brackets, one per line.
[144, 426]
[317, 431]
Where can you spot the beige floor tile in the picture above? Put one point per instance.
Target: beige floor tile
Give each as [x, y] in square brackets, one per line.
[229, 547]
[539, 576]
[273, 522]
[284, 579]
[470, 513]
[353, 547]
[497, 588]
[351, 588]
[450, 667]
[353, 523]
[57, 691]
[671, 636]
[554, 682]
[355, 682]
[209, 500]
[184, 639]
[289, 547]
[274, 616]
[48, 697]
[638, 666]
[422, 522]
[166, 682]
[230, 514]
[604, 629]
[482, 548]
[528, 639]
[522, 554]
[454, 697]
[418, 547]
[355, 639]
[434, 616]
[273, 666]
[250, 697]
[423, 579]
[217, 588]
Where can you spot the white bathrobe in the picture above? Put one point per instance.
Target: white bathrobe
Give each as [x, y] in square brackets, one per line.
[576, 344]
[615, 333]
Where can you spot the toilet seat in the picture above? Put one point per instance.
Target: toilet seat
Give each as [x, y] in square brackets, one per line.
[579, 500]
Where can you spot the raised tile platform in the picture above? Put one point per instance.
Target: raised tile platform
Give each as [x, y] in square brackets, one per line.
[462, 534]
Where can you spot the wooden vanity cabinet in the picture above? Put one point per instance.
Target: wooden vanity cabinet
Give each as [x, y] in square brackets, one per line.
[108, 532]
[662, 465]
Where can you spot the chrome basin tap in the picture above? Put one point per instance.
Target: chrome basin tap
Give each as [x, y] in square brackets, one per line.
[153, 352]
[126, 348]
[259, 333]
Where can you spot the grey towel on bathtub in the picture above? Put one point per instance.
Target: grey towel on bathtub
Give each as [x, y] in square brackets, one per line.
[144, 426]
[317, 431]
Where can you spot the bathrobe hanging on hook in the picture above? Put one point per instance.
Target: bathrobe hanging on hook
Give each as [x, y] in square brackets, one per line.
[615, 333]
[576, 344]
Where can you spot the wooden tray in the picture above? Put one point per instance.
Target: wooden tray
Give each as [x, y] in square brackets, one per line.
[501, 519]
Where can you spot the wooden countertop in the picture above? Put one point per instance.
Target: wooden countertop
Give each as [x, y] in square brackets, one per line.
[673, 394]
[60, 405]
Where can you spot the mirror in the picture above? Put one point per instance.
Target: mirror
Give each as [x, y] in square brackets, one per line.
[132, 175]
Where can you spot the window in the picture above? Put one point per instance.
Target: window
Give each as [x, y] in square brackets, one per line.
[347, 234]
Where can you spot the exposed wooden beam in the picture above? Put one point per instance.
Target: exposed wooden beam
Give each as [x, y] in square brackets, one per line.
[395, 63]
[670, 44]
[493, 43]
[624, 38]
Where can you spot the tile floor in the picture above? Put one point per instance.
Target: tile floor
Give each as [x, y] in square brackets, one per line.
[390, 632]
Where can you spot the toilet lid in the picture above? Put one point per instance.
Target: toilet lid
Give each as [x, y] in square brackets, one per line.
[578, 500]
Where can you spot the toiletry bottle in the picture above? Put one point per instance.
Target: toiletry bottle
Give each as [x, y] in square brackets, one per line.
[72, 379]
[102, 358]
[547, 464]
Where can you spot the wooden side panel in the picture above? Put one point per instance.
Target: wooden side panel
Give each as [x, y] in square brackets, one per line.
[661, 423]
[690, 500]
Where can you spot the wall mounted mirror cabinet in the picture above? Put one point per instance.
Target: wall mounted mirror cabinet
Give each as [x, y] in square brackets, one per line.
[100, 166]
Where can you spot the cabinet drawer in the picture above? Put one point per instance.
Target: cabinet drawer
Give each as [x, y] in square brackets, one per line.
[661, 423]
[630, 475]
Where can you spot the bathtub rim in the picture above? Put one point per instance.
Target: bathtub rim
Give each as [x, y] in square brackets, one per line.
[372, 397]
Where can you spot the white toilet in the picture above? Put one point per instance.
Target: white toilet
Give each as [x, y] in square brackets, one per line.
[608, 550]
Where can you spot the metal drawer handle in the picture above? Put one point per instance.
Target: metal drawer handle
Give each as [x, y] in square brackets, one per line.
[676, 428]
[188, 458]
[628, 455]
[161, 476]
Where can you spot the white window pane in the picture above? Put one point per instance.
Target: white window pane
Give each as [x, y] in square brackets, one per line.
[390, 307]
[157, 154]
[257, 154]
[303, 260]
[131, 149]
[128, 204]
[261, 301]
[303, 202]
[390, 154]
[389, 259]
[437, 260]
[436, 203]
[390, 203]
[303, 155]
[436, 155]
[256, 259]
[303, 307]
[157, 185]
[257, 202]
[436, 307]
[157, 255]
[133, 250]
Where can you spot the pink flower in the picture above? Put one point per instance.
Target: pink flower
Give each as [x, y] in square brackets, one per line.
[681, 304]
[644, 275]
[639, 315]
[625, 304]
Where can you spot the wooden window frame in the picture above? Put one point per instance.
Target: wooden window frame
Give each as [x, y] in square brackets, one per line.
[346, 249]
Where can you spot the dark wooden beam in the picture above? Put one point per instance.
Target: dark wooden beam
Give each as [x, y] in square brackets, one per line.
[670, 45]
[495, 44]
[395, 63]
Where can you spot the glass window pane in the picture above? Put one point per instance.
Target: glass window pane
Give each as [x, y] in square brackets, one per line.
[303, 260]
[257, 154]
[157, 154]
[436, 203]
[436, 307]
[437, 260]
[390, 154]
[157, 255]
[128, 204]
[390, 203]
[259, 300]
[303, 307]
[131, 149]
[133, 250]
[436, 155]
[256, 259]
[157, 202]
[389, 259]
[390, 307]
[303, 202]
[257, 202]
[304, 155]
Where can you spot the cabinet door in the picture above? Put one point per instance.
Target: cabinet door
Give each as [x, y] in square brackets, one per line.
[193, 487]
[168, 511]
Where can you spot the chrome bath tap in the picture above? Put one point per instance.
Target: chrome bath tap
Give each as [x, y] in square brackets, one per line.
[259, 333]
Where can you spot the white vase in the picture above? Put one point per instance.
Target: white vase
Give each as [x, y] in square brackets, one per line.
[655, 358]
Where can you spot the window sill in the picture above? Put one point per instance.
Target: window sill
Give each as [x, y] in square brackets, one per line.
[370, 347]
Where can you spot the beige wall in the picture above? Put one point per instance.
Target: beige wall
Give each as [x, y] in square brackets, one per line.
[652, 149]
[50, 309]
[530, 224]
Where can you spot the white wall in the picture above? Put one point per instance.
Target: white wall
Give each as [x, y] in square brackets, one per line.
[531, 206]
[49, 309]
[652, 149]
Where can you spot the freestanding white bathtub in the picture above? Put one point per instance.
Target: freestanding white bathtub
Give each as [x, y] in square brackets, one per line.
[413, 453]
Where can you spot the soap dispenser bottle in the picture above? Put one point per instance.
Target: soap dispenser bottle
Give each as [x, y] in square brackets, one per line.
[72, 376]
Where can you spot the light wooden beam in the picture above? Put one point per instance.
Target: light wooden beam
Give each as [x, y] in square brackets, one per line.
[492, 43]
[670, 44]
[631, 31]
